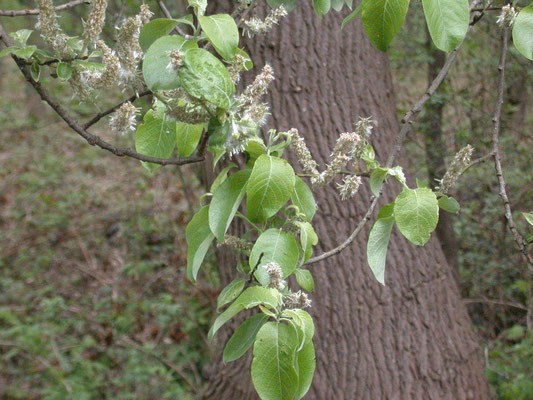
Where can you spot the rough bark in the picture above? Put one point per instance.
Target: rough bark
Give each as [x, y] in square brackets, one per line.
[435, 142]
[411, 339]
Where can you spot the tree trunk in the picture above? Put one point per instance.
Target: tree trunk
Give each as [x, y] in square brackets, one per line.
[436, 150]
[411, 339]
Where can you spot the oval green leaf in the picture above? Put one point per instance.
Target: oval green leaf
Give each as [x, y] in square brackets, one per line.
[221, 30]
[523, 32]
[447, 22]
[269, 188]
[416, 213]
[382, 19]
[243, 338]
[199, 238]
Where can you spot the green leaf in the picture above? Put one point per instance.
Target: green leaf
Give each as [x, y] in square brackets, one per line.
[449, 204]
[303, 198]
[354, 14]
[523, 32]
[24, 52]
[64, 71]
[322, 7]
[221, 30]
[277, 246]
[156, 73]
[416, 213]
[230, 292]
[226, 201]
[251, 297]
[376, 179]
[306, 363]
[447, 22]
[154, 30]
[305, 279]
[35, 71]
[382, 19]
[199, 6]
[204, 76]
[308, 239]
[273, 373]
[155, 137]
[21, 36]
[269, 188]
[244, 337]
[199, 238]
[528, 217]
[222, 176]
[337, 4]
[188, 136]
[376, 248]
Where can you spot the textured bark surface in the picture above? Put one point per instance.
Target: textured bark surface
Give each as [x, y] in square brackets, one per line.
[411, 339]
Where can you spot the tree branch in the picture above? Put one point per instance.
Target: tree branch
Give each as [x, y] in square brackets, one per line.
[93, 140]
[36, 11]
[496, 151]
[406, 122]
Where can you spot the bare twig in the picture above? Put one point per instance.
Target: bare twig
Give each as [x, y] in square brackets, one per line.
[496, 151]
[36, 11]
[495, 302]
[477, 161]
[93, 140]
[167, 14]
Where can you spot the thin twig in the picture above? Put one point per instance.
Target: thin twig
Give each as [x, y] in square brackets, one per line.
[93, 140]
[477, 161]
[36, 11]
[167, 14]
[105, 113]
[495, 302]
[406, 122]
[496, 151]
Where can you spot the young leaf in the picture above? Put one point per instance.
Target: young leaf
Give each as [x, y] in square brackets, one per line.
[230, 292]
[188, 136]
[337, 4]
[275, 246]
[273, 373]
[269, 188]
[528, 217]
[308, 239]
[243, 338]
[354, 14]
[376, 179]
[449, 204]
[221, 30]
[156, 73]
[199, 6]
[204, 76]
[376, 248]
[155, 137]
[302, 197]
[199, 238]
[321, 7]
[382, 19]
[416, 213]
[64, 71]
[523, 32]
[447, 22]
[304, 279]
[251, 297]
[155, 29]
[226, 201]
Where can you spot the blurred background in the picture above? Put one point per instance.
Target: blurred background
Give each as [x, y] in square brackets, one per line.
[94, 301]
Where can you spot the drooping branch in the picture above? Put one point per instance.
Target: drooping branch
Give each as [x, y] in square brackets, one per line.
[93, 140]
[35, 11]
[406, 123]
[496, 119]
